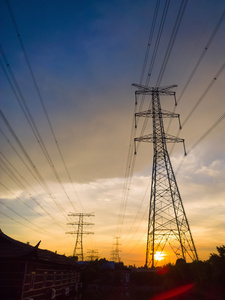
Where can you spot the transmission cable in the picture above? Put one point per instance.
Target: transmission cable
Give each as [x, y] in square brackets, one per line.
[169, 48]
[204, 93]
[23, 187]
[159, 35]
[40, 178]
[43, 231]
[19, 156]
[31, 121]
[158, 39]
[41, 100]
[18, 222]
[136, 216]
[212, 82]
[35, 177]
[207, 132]
[204, 51]
[10, 173]
[131, 239]
[24, 202]
[212, 36]
[172, 40]
[55, 222]
[150, 40]
[130, 161]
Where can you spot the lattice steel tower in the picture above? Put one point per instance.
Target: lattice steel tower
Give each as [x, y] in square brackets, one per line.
[167, 224]
[78, 249]
[116, 252]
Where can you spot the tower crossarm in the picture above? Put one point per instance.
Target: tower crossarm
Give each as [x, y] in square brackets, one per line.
[145, 90]
[81, 214]
[150, 138]
[83, 232]
[77, 223]
[164, 114]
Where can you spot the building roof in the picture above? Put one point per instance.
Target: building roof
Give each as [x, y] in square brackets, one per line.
[13, 249]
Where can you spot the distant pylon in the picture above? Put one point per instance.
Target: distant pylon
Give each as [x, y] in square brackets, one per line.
[167, 223]
[92, 255]
[78, 249]
[115, 253]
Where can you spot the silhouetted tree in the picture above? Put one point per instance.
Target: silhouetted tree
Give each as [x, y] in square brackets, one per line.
[217, 263]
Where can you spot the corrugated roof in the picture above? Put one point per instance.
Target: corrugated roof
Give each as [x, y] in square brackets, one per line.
[10, 248]
[13, 248]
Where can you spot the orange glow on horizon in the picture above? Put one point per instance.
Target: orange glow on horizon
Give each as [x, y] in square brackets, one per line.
[159, 255]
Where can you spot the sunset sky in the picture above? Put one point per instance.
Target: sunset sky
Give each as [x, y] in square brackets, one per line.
[66, 75]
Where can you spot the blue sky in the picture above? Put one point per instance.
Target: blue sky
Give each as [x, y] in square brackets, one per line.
[85, 55]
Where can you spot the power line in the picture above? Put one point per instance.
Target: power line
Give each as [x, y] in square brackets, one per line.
[54, 221]
[204, 51]
[204, 93]
[172, 40]
[141, 237]
[201, 99]
[10, 173]
[40, 178]
[19, 156]
[169, 49]
[131, 162]
[131, 158]
[127, 179]
[131, 229]
[6, 162]
[207, 132]
[24, 202]
[11, 209]
[150, 40]
[22, 102]
[152, 62]
[18, 222]
[33, 175]
[162, 23]
[41, 100]
[212, 36]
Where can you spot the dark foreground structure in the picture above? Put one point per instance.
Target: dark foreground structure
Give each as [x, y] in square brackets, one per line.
[30, 273]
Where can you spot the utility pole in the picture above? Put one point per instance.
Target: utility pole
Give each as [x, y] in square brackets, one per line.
[167, 224]
[78, 249]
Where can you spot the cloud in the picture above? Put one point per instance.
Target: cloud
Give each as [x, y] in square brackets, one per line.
[214, 171]
[84, 62]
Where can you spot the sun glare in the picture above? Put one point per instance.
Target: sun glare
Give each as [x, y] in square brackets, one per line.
[159, 255]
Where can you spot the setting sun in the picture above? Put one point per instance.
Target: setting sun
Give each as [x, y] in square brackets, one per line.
[159, 255]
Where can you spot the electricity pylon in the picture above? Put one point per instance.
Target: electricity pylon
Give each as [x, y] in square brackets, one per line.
[167, 223]
[93, 255]
[115, 253]
[78, 249]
